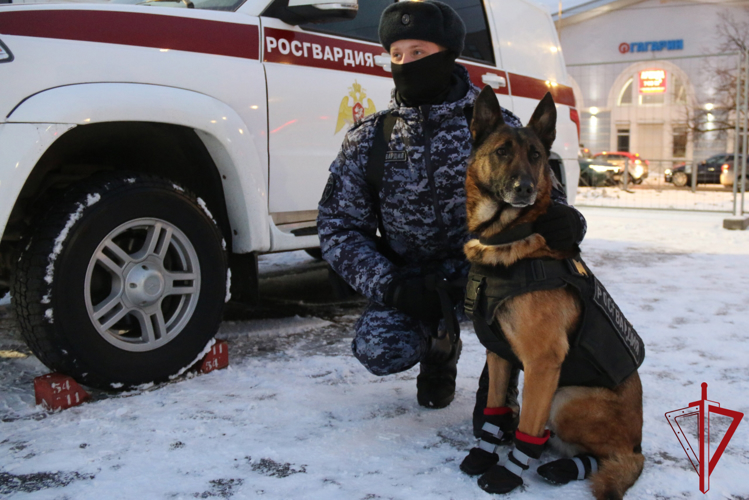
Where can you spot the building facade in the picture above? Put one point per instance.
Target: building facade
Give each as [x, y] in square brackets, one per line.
[645, 71]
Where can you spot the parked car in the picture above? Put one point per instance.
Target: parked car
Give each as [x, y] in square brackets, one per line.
[708, 171]
[597, 172]
[727, 172]
[148, 150]
[638, 168]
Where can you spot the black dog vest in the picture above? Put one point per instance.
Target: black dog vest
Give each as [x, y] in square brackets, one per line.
[604, 350]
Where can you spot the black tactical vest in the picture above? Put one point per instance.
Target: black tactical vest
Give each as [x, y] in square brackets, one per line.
[604, 350]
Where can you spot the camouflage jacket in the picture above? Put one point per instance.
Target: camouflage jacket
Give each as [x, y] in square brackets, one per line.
[421, 200]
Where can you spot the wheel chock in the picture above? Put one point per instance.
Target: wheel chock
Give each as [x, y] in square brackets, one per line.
[216, 359]
[58, 392]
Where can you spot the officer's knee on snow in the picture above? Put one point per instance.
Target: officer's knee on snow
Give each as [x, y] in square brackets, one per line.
[389, 357]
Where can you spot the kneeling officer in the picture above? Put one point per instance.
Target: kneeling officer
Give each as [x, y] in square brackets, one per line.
[402, 172]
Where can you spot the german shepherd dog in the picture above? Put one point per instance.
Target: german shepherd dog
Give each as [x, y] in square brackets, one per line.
[509, 183]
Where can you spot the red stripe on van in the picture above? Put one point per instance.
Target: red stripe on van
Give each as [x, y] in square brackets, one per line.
[476, 72]
[533, 88]
[141, 30]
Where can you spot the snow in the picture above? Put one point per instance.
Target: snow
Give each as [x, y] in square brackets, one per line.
[91, 199]
[296, 416]
[713, 199]
[228, 285]
[205, 209]
[200, 356]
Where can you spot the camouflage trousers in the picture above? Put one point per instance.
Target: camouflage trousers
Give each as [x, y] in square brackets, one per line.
[388, 341]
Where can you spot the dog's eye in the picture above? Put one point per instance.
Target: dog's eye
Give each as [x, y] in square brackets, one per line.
[502, 151]
[535, 155]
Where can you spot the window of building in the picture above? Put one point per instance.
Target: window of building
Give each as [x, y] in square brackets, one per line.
[652, 99]
[365, 25]
[622, 138]
[681, 137]
[625, 98]
[679, 95]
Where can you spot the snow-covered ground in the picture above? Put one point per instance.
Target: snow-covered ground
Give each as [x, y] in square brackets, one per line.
[296, 416]
[665, 197]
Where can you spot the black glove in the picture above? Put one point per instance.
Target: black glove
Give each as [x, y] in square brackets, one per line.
[560, 226]
[413, 297]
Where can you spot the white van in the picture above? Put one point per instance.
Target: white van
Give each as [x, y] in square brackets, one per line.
[149, 152]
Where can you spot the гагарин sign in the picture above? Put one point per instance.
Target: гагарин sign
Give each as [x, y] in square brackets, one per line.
[651, 46]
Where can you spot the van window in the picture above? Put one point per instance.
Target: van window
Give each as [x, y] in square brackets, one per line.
[365, 25]
[478, 39]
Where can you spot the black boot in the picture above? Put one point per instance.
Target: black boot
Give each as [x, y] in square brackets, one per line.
[482, 394]
[435, 384]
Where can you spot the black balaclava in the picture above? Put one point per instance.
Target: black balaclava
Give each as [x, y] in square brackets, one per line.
[426, 81]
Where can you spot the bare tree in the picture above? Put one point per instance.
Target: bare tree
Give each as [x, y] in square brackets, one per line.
[732, 35]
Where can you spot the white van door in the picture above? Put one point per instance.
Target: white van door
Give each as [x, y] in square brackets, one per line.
[481, 56]
[531, 55]
[321, 79]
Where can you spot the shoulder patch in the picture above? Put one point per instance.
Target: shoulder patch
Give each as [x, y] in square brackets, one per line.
[329, 189]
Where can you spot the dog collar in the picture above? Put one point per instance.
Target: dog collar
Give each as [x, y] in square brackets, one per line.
[511, 235]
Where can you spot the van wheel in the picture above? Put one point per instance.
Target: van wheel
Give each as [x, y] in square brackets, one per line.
[679, 179]
[122, 282]
[315, 253]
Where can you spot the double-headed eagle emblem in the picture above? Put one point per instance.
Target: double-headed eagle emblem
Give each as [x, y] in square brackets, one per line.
[352, 109]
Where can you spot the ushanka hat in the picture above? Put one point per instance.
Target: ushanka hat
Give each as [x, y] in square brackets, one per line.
[431, 21]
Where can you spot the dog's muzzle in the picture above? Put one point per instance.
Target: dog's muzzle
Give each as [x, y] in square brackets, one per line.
[520, 193]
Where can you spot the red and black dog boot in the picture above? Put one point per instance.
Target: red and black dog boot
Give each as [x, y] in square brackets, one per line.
[505, 478]
[499, 425]
[564, 470]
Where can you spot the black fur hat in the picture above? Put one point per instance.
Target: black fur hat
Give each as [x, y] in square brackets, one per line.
[430, 20]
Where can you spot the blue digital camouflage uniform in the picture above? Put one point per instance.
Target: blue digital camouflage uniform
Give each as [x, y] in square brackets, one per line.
[422, 207]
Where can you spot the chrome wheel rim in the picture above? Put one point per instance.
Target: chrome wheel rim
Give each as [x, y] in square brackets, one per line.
[142, 284]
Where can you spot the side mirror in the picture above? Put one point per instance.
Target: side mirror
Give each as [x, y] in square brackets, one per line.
[319, 11]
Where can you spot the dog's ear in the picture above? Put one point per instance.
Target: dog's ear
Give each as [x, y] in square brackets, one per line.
[487, 115]
[544, 121]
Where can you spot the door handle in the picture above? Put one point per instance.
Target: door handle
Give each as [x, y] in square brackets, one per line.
[493, 80]
[383, 61]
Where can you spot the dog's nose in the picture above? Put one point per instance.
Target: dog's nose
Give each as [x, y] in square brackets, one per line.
[523, 187]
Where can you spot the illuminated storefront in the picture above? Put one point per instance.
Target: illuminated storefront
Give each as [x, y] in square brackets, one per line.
[643, 73]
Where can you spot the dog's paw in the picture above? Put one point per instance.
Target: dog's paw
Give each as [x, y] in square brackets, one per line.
[564, 470]
[478, 461]
[499, 480]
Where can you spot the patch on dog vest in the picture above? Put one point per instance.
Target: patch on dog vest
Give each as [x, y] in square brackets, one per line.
[396, 156]
[623, 327]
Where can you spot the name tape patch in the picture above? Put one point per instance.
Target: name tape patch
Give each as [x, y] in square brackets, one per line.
[623, 327]
[396, 156]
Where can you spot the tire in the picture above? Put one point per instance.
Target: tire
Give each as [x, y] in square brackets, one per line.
[680, 179]
[97, 301]
[315, 253]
